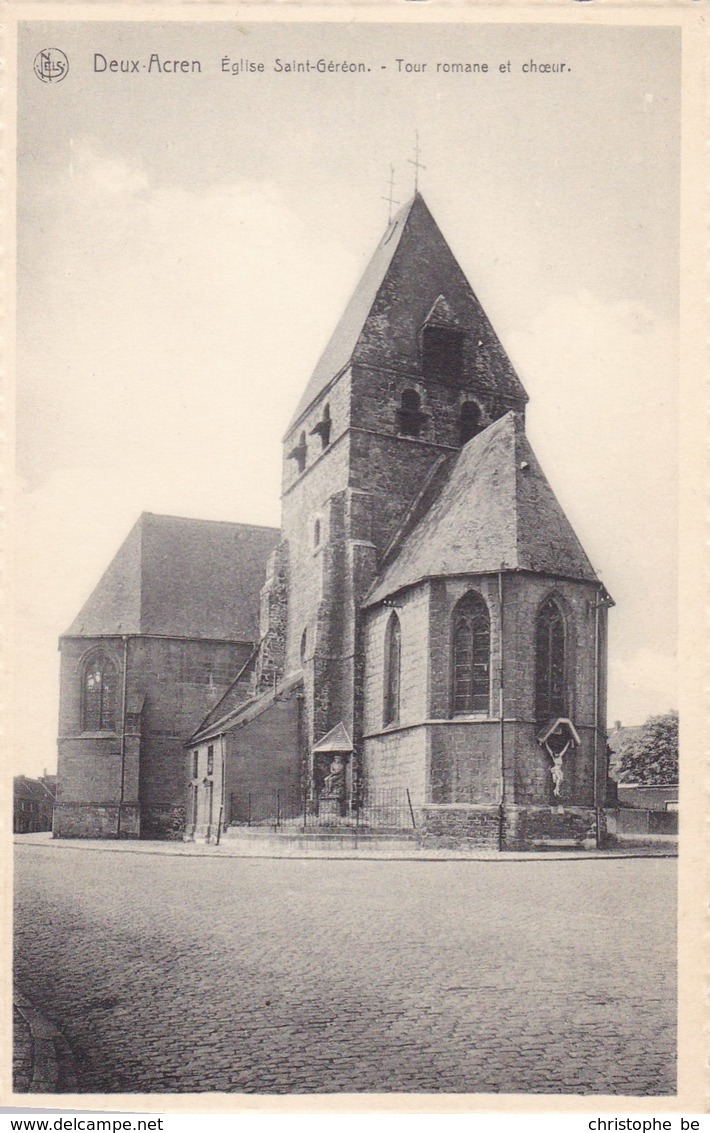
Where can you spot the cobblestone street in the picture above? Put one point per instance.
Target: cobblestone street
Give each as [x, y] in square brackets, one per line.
[170, 973]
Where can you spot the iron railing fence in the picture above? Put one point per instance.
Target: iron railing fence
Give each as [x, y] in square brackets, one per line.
[375, 809]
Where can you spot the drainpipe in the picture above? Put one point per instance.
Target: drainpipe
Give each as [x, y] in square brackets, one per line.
[501, 711]
[222, 796]
[123, 734]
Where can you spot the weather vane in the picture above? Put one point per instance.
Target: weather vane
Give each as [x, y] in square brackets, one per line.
[390, 198]
[415, 161]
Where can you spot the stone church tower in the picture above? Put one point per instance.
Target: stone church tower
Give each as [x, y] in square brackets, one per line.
[429, 616]
[425, 624]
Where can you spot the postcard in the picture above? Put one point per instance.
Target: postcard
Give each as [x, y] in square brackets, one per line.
[357, 592]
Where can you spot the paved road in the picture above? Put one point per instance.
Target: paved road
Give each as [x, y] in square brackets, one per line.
[176, 974]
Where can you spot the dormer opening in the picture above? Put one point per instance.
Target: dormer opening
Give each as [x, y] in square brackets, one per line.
[442, 353]
[470, 421]
[410, 418]
[322, 429]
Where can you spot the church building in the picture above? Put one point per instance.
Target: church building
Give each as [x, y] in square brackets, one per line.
[429, 626]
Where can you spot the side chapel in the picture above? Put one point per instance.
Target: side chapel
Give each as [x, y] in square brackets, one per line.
[427, 622]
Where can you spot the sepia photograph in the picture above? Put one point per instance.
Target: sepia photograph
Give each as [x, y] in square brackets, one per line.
[346, 697]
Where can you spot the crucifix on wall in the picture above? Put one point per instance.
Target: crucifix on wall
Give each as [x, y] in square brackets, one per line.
[557, 739]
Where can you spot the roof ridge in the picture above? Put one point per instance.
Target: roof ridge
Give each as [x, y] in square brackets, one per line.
[196, 519]
[413, 514]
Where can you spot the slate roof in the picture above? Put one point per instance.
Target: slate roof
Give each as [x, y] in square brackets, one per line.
[176, 577]
[494, 510]
[226, 713]
[410, 255]
[35, 789]
[343, 341]
[236, 696]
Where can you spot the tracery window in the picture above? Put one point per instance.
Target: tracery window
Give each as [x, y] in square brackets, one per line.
[471, 641]
[550, 662]
[99, 694]
[393, 665]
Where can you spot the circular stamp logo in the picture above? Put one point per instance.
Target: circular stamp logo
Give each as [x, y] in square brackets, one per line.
[51, 65]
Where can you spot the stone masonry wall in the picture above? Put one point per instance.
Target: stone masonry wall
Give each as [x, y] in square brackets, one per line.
[527, 828]
[461, 827]
[180, 681]
[263, 755]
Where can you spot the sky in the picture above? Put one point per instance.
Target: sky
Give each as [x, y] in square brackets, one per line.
[187, 242]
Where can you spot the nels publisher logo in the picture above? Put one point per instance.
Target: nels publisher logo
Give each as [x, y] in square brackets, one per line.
[51, 65]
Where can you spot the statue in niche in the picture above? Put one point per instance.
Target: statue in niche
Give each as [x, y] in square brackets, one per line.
[334, 784]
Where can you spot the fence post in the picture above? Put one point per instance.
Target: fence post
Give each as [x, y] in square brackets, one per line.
[249, 809]
[411, 809]
[278, 807]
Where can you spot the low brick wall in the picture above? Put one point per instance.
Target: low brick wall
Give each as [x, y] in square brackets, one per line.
[454, 826]
[632, 823]
[94, 820]
[531, 828]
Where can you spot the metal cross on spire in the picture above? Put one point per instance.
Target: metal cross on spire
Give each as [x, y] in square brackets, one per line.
[390, 198]
[415, 161]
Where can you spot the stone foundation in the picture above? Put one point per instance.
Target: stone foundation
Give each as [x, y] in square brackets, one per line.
[96, 820]
[458, 826]
[541, 827]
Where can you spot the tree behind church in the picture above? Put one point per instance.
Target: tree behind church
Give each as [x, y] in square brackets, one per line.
[650, 757]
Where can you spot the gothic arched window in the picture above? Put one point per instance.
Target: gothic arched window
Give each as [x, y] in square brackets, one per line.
[550, 662]
[470, 421]
[471, 647]
[99, 694]
[393, 666]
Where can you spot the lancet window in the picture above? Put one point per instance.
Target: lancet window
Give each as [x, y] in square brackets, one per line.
[471, 640]
[99, 694]
[393, 666]
[550, 699]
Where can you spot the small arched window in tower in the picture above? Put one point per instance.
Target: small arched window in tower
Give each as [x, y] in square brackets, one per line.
[550, 698]
[316, 533]
[470, 421]
[410, 418]
[299, 451]
[442, 353]
[99, 694]
[393, 665]
[322, 429]
[471, 662]
[304, 645]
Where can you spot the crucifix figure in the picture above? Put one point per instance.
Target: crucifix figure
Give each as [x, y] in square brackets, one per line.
[556, 770]
[415, 161]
